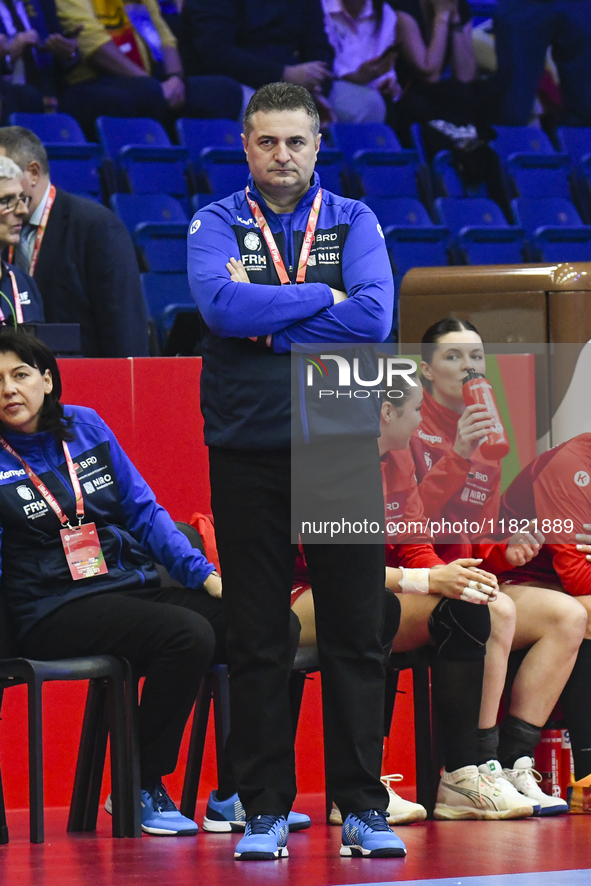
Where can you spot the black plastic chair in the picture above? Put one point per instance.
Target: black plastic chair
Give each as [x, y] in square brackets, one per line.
[105, 703]
[427, 759]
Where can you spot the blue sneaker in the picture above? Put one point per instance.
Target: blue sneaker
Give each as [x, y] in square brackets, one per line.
[265, 838]
[223, 816]
[369, 835]
[161, 817]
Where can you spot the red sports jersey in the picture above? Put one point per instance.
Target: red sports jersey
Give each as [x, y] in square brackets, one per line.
[407, 545]
[555, 487]
[451, 487]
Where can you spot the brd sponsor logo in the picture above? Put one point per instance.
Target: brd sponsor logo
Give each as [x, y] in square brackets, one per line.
[91, 460]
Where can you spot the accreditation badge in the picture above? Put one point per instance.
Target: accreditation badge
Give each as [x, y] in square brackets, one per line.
[83, 551]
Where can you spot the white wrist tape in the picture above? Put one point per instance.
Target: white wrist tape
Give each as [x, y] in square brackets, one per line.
[414, 581]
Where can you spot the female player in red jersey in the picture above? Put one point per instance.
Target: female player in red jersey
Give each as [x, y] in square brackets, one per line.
[555, 489]
[437, 607]
[457, 483]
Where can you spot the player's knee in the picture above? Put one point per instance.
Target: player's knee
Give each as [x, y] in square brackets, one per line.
[503, 618]
[573, 619]
[460, 629]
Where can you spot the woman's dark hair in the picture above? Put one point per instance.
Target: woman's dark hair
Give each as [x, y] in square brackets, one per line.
[400, 392]
[438, 330]
[36, 354]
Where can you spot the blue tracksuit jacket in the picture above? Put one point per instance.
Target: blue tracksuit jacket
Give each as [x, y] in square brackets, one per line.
[246, 388]
[134, 530]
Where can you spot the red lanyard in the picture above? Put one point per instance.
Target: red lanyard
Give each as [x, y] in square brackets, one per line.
[40, 234]
[44, 491]
[270, 239]
[17, 302]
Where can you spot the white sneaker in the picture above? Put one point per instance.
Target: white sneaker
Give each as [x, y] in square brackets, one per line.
[466, 793]
[525, 779]
[399, 811]
[494, 771]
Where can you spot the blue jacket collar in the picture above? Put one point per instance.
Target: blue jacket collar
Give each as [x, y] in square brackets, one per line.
[304, 204]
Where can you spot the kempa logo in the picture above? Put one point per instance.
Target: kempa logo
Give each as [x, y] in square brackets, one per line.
[6, 475]
[389, 368]
[582, 478]
[195, 226]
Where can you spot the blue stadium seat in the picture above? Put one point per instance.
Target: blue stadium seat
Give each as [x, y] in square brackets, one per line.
[531, 165]
[79, 175]
[369, 148]
[52, 128]
[480, 230]
[540, 175]
[554, 229]
[195, 135]
[447, 181]
[146, 161]
[351, 138]
[576, 141]
[198, 201]
[416, 247]
[136, 209]
[163, 247]
[165, 295]
[518, 140]
[225, 169]
[330, 166]
[75, 163]
[391, 176]
[116, 133]
[400, 211]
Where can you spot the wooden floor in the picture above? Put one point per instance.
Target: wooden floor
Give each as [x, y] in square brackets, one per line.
[436, 851]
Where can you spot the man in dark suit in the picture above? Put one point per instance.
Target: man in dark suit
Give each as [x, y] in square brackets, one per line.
[81, 257]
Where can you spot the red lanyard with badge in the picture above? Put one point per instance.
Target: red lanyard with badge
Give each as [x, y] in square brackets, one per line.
[40, 234]
[81, 543]
[270, 239]
[18, 310]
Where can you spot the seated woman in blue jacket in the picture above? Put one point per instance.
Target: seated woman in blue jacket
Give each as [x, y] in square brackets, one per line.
[80, 532]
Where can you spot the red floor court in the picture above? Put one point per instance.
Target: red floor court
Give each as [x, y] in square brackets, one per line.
[435, 850]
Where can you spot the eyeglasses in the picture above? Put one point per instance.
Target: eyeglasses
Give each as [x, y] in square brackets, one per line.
[10, 203]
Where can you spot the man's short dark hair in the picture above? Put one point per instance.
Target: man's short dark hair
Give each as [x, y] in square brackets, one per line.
[280, 97]
[23, 146]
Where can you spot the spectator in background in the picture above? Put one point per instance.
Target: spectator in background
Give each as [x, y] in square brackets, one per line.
[362, 34]
[20, 300]
[130, 67]
[34, 56]
[524, 29]
[436, 66]
[258, 43]
[81, 257]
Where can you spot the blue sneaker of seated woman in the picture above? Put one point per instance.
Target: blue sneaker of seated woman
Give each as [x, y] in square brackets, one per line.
[159, 815]
[223, 816]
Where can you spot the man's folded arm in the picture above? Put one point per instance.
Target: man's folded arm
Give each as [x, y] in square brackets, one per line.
[242, 309]
[366, 315]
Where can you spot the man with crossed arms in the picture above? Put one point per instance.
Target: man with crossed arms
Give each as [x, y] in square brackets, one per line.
[257, 299]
